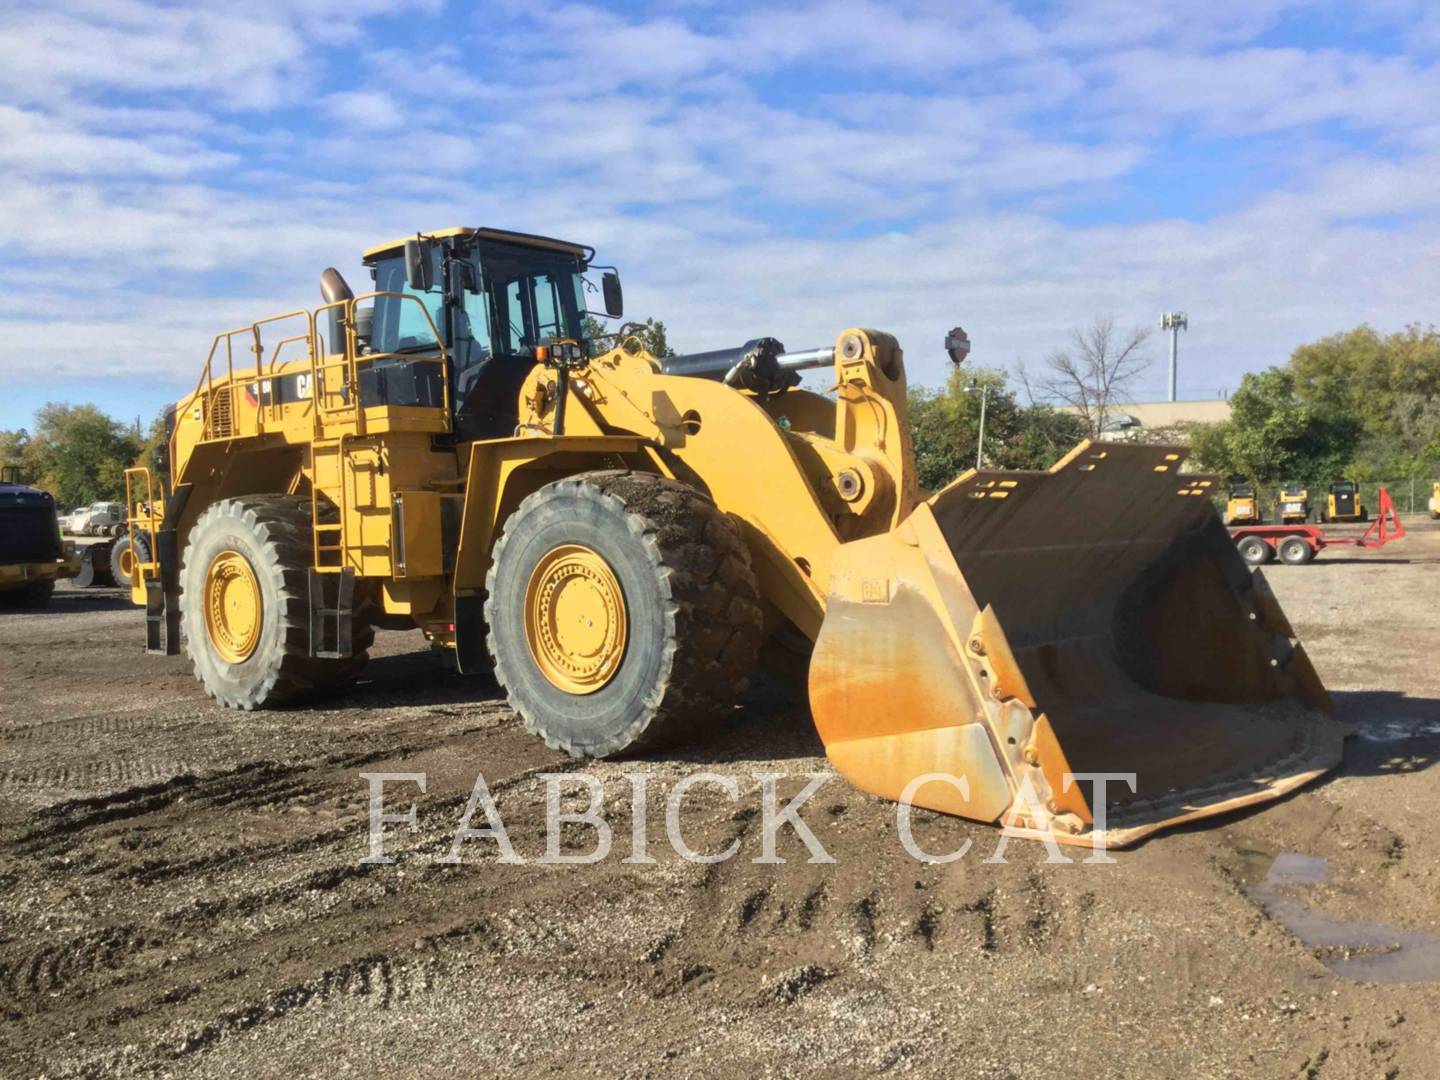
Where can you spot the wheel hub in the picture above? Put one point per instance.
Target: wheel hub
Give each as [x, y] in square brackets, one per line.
[233, 609]
[575, 620]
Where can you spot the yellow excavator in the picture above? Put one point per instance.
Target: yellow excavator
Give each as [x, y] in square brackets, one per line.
[620, 538]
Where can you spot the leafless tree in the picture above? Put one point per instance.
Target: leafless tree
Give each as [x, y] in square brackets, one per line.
[1093, 373]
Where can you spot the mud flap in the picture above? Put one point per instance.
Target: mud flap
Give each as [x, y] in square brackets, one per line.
[162, 591]
[1024, 627]
[471, 657]
[327, 614]
[162, 620]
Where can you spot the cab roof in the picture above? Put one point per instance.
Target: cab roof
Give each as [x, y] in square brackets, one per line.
[580, 251]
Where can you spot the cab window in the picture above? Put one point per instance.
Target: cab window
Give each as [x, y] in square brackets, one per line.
[399, 324]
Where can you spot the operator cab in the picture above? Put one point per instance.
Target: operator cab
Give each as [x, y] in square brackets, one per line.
[495, 297]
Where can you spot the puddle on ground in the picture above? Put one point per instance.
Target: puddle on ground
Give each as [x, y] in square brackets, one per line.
[1390, 731]
[1365, 952]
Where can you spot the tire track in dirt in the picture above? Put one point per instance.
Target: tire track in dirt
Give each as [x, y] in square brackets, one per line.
[93, 774]
[86, 727]
[39, 970]
[331, 929]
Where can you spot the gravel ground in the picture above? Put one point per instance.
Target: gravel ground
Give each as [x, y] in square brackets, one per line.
[183, 889]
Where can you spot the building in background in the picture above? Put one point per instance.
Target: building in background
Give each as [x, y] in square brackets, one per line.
[1159, 421]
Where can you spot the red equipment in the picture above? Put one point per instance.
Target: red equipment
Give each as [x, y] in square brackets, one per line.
[1297, 544]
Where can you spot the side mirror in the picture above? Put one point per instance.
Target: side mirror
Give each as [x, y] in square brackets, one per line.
[614, 296]
[419, 267]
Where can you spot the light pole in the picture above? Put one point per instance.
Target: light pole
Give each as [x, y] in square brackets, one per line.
[1174, 321]
[984, 392]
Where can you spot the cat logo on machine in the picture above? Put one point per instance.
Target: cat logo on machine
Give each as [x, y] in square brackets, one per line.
[281, 390]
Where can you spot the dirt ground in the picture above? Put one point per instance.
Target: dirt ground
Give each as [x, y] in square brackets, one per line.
[183, 893]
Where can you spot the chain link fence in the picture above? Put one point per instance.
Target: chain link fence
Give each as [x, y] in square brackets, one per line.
[1410, 496]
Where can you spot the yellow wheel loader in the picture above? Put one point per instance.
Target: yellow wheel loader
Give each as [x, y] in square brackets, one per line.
[1435, 501]
[620, 538]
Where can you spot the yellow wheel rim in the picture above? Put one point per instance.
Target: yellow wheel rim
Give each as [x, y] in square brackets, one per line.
[575, 619]
[127, 562]
[233, 609]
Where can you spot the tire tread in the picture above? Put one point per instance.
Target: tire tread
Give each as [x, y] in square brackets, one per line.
[283, 523]
[712, 608]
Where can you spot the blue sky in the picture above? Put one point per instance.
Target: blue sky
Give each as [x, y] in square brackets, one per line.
[168, 171]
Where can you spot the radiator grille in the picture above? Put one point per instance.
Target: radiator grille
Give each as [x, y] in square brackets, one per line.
[28, 534]
[222, 422]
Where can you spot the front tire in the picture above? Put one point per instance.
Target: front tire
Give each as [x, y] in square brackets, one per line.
[622, 612]
[244, 605]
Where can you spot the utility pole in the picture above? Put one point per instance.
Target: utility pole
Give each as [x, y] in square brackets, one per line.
[1174, 321]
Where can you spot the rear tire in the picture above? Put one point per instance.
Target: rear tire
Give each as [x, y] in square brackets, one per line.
[1295, 551]
[668, 660]
[265, 543]
[1255, 551]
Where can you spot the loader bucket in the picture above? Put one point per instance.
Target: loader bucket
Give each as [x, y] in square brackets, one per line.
[1020, 629]
[95, 569]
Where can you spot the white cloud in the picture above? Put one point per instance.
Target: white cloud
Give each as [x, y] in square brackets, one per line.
[32, 143]
[785, 171]
[1267, 89]
[370, 109]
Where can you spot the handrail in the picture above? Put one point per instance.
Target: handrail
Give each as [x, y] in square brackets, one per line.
[320, 363]
[347, 365]
[275, 404]
[443, 354]
[349, 361]
[134, 520]
[207, 373]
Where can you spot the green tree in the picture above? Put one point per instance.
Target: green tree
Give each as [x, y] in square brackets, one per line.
[1360, 405]
[15, 451]
[650, 335]
[79, 454]
[1365, 376]
[945, 425]
[1273, 436]
[150, 449]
